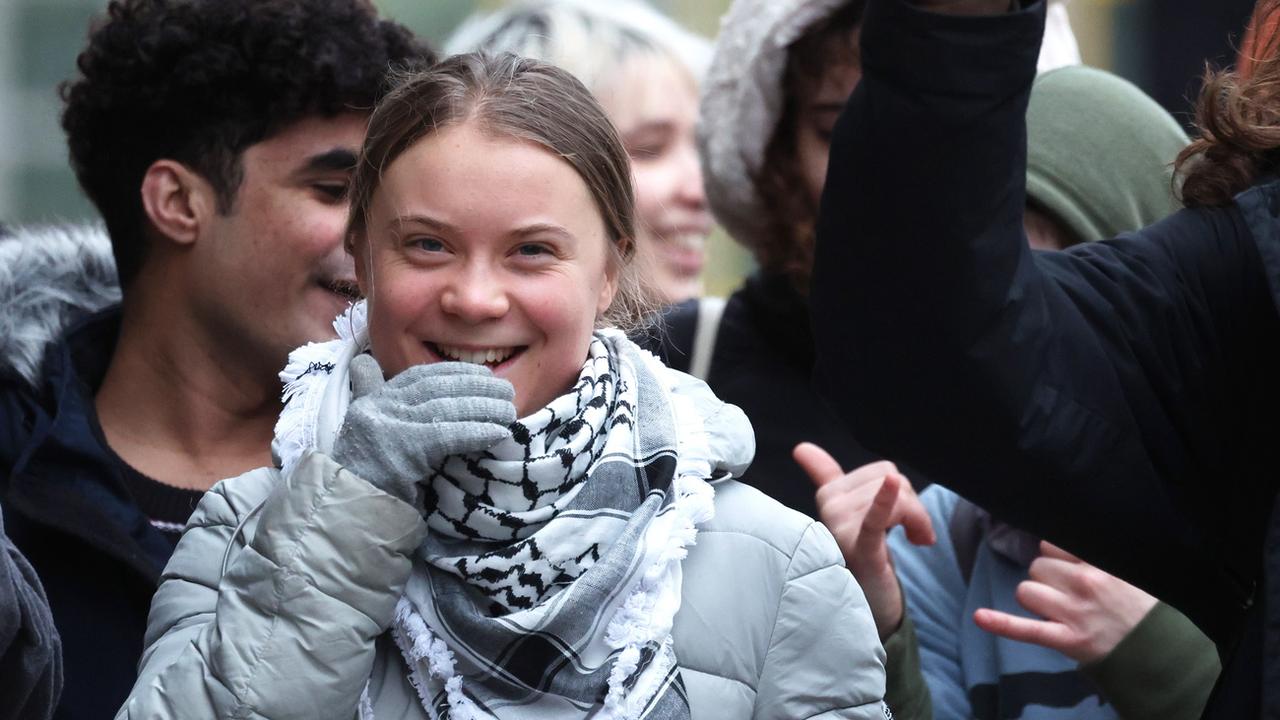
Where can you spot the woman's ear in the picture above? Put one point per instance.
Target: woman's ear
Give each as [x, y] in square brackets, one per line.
[177, 200]
[609, 289]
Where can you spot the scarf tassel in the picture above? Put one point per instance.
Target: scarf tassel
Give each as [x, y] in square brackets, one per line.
[636, 623]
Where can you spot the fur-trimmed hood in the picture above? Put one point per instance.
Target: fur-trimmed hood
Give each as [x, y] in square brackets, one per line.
[50, 276]
[742, 98]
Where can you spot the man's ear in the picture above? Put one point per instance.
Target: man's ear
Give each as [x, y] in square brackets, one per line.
[177, 200]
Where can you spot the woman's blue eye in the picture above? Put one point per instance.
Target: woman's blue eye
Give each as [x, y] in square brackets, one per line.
[429, 244]
[532, 250]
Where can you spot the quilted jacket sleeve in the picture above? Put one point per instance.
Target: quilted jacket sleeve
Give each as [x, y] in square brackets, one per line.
[288, 630]
[824, 659]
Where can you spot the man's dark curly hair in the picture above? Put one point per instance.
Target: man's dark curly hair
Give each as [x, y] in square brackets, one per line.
[199, 81]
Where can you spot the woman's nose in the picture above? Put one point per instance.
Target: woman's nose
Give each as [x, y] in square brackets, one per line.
[475, 297]
[691, 190]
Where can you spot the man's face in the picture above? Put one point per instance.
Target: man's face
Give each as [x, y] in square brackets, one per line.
[272, 274]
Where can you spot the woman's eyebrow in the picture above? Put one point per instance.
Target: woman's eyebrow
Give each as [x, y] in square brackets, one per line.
[430, 222]
[542, 229]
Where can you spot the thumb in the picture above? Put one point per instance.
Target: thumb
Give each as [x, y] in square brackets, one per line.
[366, 376]
[818, 463]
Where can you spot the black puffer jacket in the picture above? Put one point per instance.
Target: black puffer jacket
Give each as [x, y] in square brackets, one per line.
[66, 506]
[1121, 399]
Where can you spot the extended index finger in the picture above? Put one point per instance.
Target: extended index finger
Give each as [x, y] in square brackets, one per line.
[1048, 633]
[818, 463]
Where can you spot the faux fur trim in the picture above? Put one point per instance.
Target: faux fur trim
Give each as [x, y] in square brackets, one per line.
[50, 276]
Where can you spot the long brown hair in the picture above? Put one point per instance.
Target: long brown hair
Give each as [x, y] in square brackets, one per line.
[1238, 118]
[788, 246]
[520, 98]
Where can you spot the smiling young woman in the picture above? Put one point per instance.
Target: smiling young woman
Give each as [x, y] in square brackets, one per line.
[532, 517]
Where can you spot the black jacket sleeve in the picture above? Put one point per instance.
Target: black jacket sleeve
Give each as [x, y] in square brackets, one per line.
[30, 651]
[1110, 398]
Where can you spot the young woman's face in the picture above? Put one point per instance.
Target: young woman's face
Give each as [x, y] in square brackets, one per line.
[486, 250]
[818, 114]
[654, 104]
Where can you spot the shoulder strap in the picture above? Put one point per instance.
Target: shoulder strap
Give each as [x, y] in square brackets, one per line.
[710, 309]
[968, 525]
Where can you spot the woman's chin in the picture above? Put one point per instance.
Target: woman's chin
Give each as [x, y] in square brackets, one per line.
[676, 288]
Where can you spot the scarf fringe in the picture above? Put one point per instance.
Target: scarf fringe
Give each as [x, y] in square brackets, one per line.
[366, 705]
[305, 378]
[637, 623]
[416, 643]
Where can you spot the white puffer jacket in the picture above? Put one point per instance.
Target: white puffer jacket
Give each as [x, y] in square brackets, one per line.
[277, 609]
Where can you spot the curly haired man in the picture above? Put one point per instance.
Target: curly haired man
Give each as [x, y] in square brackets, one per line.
[216, 138]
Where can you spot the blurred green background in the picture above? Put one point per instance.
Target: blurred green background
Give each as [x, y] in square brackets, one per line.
[1159, 44]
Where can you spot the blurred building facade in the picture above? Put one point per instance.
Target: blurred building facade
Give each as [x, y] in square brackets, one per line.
[39, 40]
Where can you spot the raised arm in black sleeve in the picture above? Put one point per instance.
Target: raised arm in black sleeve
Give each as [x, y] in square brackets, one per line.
[1117, 399]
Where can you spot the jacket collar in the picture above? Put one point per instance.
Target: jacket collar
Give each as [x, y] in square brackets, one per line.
[782, 315]
[64, 475]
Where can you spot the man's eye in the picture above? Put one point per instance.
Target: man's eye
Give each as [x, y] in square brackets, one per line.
[332, 191]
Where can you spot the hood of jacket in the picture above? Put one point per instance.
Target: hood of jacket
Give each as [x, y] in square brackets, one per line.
[742, 98]
[58, 287]
[50, 276]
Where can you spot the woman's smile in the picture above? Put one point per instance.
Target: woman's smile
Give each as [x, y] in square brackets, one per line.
[486, 250]
[494, 358]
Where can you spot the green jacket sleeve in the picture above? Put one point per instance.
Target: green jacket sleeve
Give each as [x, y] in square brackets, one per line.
[288, 630]
[905, 690]
[1164, 668]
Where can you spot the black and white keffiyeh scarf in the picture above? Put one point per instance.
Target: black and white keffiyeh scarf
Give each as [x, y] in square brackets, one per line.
[549, 581]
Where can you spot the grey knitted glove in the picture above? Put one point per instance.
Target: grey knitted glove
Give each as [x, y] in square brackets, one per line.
[394, 431]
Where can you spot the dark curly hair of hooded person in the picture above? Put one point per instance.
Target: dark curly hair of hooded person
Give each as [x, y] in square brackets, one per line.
[789, 249]
[199, 81]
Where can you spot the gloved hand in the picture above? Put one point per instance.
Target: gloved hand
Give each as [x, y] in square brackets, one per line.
[394, 431]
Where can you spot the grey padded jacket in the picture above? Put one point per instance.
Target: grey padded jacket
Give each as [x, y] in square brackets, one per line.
[276, 602]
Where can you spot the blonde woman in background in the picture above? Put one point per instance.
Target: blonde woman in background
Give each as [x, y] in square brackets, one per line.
[645, 70]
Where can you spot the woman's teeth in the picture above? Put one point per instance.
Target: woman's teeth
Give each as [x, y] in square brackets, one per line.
[486, 356]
